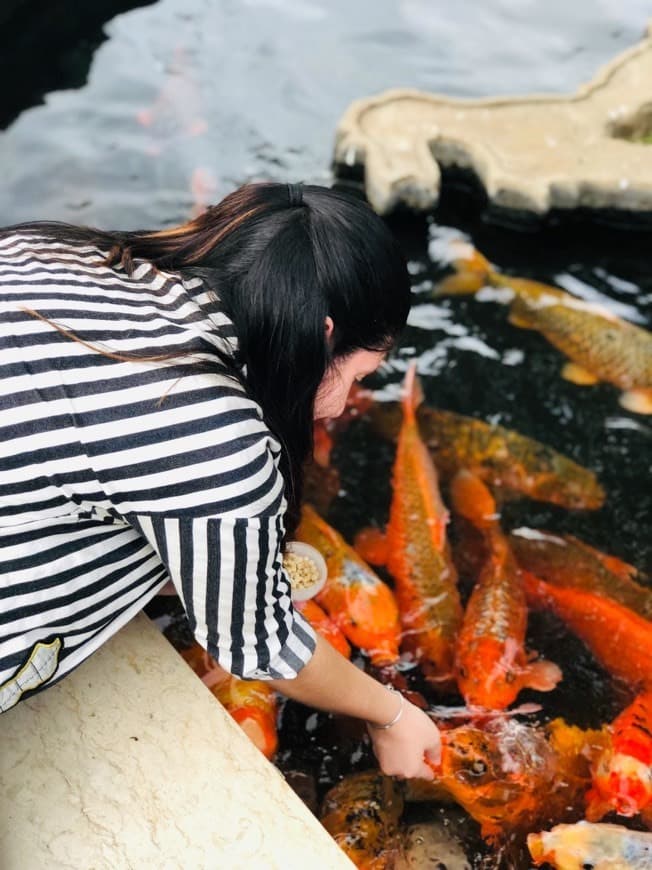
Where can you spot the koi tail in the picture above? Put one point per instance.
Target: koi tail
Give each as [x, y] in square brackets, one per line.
[472, 272]
[472, 500]
[542, 676]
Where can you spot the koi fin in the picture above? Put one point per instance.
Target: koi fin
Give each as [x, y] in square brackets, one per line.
[536, 591]
[260, 727]
[542, 676]
[472, 271]
[412, 392]
[596, 806]
[578, 375]
[371, 545]
[472, 499]
[646, 817]
[520, 316]
[322, 441]
[461, 284]
[638, 401]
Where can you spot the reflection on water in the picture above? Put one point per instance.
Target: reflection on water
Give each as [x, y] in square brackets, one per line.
[187, 99]
[254, 89]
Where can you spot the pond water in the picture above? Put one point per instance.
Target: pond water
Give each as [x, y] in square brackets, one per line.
[188, 98]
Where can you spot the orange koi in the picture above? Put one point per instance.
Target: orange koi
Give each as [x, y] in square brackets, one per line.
[504, 459]
[355, 598]
[566, 561]
[622, 776]
[620, 639]
[324, 625]
[509, 776]
[599, 345]
[418, 553]
[252, 703]
[490, 660]
[600, 847]
[362, 813]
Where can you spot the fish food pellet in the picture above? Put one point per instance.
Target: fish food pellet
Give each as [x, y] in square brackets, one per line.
[302, 570]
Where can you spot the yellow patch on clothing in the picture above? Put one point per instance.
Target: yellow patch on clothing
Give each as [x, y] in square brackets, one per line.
[38, 669]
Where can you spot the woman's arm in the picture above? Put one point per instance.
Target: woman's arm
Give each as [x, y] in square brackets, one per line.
[330, 682]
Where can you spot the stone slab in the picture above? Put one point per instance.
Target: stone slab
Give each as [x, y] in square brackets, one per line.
[130, 763]
[592, 149]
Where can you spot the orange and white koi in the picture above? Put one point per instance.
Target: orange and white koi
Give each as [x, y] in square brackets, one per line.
[598, 846]
[622, 775]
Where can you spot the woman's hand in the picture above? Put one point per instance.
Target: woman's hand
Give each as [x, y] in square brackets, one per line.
[400, 749]
[330, 682]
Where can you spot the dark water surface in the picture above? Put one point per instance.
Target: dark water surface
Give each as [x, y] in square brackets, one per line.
[188, 98]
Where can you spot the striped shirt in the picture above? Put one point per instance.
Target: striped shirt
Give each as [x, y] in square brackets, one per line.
[116, 476]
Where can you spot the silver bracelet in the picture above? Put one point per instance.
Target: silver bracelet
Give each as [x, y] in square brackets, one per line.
[396, 718]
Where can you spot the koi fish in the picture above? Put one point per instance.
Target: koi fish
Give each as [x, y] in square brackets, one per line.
[622, 776]
[362, 813]
[502, 458]
[600, 847]
[507, 776]
[431, 845]
[177, 111]
[599, 345]
[620, 639]
[418, 553]
[324, 625]
[355, 598]
[252, 703]
[490, 660]
[566, 561]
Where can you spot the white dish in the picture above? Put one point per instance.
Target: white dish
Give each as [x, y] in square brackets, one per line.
[308, 552]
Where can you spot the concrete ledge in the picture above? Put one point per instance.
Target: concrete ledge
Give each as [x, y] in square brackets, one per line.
[589, 150]
[130, 764]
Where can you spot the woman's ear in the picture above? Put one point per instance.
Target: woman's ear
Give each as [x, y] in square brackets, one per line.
[330, 326]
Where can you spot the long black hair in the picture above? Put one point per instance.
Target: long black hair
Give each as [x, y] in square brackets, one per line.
[281, 258]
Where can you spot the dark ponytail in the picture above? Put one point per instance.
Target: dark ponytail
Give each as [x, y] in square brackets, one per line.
[281, 258]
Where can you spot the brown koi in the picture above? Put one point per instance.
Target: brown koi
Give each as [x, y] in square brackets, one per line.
[599, 345]
[566, 561]
[501, 457]
[362, 813]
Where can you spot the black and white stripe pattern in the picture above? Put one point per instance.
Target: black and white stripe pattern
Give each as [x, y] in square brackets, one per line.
[118, 475]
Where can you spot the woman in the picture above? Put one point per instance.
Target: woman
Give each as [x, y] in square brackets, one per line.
[158, 392]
